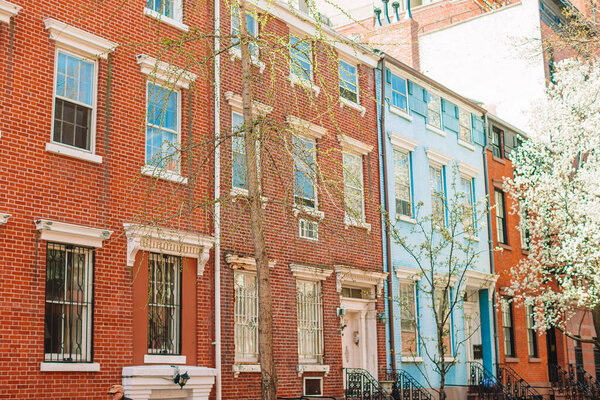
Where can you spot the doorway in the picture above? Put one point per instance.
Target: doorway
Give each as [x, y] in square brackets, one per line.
[552, 353]
[359, 334]
[473, 344]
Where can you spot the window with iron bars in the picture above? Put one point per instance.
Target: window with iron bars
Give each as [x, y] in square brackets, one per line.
[246, 317]
[310, 321]
[69, 303]
[164, 304]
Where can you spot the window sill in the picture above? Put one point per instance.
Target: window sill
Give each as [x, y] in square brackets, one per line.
[525, 252]
[236, 193]
[302, 368]
[358, 224]
[405, 218]
[449, 359]
[401, 113]
[498, 159]
[535, 360]
[505, 246]
[311, 212]
[511, 359]
[352, 105]
[166, 20]
[156, 172]
[435, 130]
[412, 359]
[72, 152]
[237, 54]
[69, 367]
[243, 368]
[163, 359]
[471, 238]
[466, 145]
[295, 80]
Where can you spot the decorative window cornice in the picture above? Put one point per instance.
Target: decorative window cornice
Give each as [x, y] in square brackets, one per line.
[166, 241]
[79, 40]
[54, 231]
[353, 145]
[8, 10]
[437, 157]
[467, 170]
[165, 72]
[305, 128]
[4, 218]
[246, 263]
[310, 273]
[480, 280]
[302, 368]
[402, 142]
[235, 101]
[407, 274]
[359, 277]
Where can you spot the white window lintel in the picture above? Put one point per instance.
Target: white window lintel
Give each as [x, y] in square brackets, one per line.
[305, 128]
[54, 231]
[438, 158]
[165, 72]
[304, 83]
[239, 368]
[4, 218]
[246, 263]
[167, 20]
[79, 40]
[310, 273]
[69, 367]
[302, 368]
[353, 145]
[235, 101]
[360, 277]
[8, 10]
[401, 142]
[407, 274]
[467, 170]
[352, 105]
[480, 280]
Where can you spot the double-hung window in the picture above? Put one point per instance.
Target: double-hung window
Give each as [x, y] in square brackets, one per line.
[305, 193]
[251, 29]
[408, 320]
[348, 76]
[531, 333]
[162, 128]
[399, 94]
[438, 195]
[402, 183]
[464, 126]
[238, 153]
[469, 208]
[163, 7]
[353, 187]
[524, 226]
[74, 101]
[507, 327]
[501, 233]
[310, 321]
[245, 317]
[444, 308]
[301, 58]
[69, 304]
[434, 111]
[164, 304]
[496, 144]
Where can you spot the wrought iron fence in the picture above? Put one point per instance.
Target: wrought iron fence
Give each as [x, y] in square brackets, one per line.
[360, 385]
[405, 387]
[566, 383]
[487, 386]
[587, 381]
[514, 384]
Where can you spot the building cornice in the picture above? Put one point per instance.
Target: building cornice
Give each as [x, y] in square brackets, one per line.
[360, 277]
[8, 10]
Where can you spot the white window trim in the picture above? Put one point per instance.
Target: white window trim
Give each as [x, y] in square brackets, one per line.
[359, 277]
[408, 359]
[78, 40]
[351, 145]
[299, 208]
[437, 158]
[250, 359]
[302, 368]
[167, 241]
[407, 274]
[400, 112]
[163, 359]
[466, 144]
[4, 218]
[306, 84]
[351, 220]
[244, 368]
[348, 103]
[310, 273]
[235, 101]
[353, 106]
[403, 143]
[174, 22]
[60, 232]
[467, 171]
[307, 222]
[8, 10]
[412, 283]
[305, 128]
[69, 367]
[435, 130]
[165, 74]
[73, 152]
[161, 173]
[236, 52]
[245, 263]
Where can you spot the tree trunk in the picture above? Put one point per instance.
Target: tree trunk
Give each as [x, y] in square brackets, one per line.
[265, 314]
[442, 356]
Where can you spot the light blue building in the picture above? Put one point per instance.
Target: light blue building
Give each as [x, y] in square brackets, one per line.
[431, 137]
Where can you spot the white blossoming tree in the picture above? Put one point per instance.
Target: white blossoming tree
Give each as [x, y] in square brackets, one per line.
[557, 182]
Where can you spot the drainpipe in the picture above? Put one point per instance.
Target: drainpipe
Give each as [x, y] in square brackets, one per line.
[217, 196]
[386, 208]
[490, 240]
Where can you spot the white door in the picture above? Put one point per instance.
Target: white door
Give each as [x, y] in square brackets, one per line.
[473, 330]
[351, 341]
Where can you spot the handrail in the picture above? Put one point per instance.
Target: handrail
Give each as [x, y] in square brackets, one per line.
[360, 385]
[590, 384]
[516, 385]
[406, 387]
[488, 386]
[566, 383]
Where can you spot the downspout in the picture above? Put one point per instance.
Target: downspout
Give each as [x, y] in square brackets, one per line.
[217, 196]
[386, 208]
[490, 240]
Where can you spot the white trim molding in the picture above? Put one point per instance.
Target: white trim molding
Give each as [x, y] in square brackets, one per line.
[304, 83]
[68, 151]
[467, 170]
[437, 157]
[54, 231]
[167, 241]
[169, 21]
[77, 39]
[305, 128]
[235, 101]
[143, 382]
[239, 368]
[401, 142]
[360, 277]
[310, 273]
[352, 105]
[69, 367]
[235, 53]
[165, 72]
[480, 280]
[157, 172]
[163, 359]
[4, 218]
[8, 10]
[302, 368]
[245, 263]
[353, 145]
[407, 274]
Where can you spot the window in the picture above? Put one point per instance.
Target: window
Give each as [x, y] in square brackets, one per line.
[300, 58]
[246, 317]
[408, 320]
[507, 327]
[469, 208]
[162, 128]
[165, 8]
[251, 28]
[164, 304]
[444, 312]
[353, 187]
[313, 386]
[74, 100]
[348, 81]
[308, 229]
[524, 228]
[402, 183]
[239, 173]
[69, 304]
[305, 193]
[500, 217]
[398, 92]
[438, 195]
[497, 142]
[531, 333]
[464, 128]
[354, 293]
[434, 111]
[310, 321]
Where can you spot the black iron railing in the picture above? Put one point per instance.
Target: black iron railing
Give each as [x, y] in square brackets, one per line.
[587, 381]
[360, 385]
[566, 383]
[514, 384]
[485, 384]
[405, 387]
